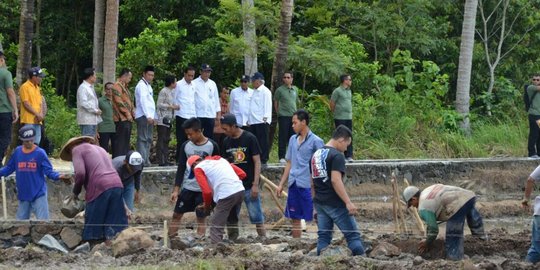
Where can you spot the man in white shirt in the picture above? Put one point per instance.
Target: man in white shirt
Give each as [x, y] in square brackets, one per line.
[88, 112]
[260, 114]
[239, 99]
[207, 101]
[145, 113]
[185, 97]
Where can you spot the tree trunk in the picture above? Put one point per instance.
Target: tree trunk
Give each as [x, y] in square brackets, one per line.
[465, 64]
[26, 36]
[111, 41]
[250, 37]
[99, 33]
[37, 32]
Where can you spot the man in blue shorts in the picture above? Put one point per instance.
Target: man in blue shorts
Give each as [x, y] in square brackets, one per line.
[301, 148]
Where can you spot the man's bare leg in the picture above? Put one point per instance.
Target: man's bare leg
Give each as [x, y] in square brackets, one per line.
[201, 226]
[296, 228]
[175, 224]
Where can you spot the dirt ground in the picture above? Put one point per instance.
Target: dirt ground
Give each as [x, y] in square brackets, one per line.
[499, 193]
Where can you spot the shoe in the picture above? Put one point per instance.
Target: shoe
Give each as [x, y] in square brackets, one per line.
[282, 161]
[534, 156]
[350, 160]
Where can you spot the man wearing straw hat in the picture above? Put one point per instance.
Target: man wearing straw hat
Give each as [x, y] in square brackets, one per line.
[31, 164]
[105, 213]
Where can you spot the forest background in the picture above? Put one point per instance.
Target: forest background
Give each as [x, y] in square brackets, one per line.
[403, 56]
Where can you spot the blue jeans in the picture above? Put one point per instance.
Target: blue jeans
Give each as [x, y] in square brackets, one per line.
[144, 138]
[254, 207]
[40, 208]
[533, 255]
[37, 129]
[129, 195]
[454, 229]
[327, 216]
[88, 130]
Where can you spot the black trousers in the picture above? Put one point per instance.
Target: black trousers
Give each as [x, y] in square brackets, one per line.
[162, 145]
[347, 123]
[533, 144]
[207, 125]
[180, 135]
[123, 134]
[261, 131]
[284, 134]
[105, 138]
[5, 133]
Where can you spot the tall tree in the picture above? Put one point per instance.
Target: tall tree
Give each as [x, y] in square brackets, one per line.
[282, 48]
[26, 36]
[111, 41]
[99, 33]
[250, 37]
[465, 64]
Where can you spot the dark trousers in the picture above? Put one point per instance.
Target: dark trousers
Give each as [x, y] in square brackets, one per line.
[162, 145]
[106, 141]
[5, 133]
[285, 133]
[261, 133]
[533, 145]
[225, 214]
[207, 125]
[454, 229]
[218, 138]
[123, 134]
[180, 135]
[347, 123]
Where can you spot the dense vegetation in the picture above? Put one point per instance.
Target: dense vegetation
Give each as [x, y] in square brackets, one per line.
[402, 55]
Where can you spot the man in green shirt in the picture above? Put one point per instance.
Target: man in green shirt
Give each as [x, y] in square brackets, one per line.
[341, 106]
[8, 106]
[285, 99]
[533, 145]
[107, 128]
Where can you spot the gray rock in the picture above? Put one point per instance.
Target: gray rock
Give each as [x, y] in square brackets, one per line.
[71, 237]
[130, 241]
[177, 243]
[418, 260]
[277, 247]
[312, 253]
[385, 249]
[5, 236]
[335, 251]
[84, 248]
[50, 242]
[298, 253]
[20, 241]
[198, 249]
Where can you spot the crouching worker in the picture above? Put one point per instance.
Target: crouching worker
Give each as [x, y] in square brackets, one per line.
[221, 182]
[105, 213]
[31, 164]
[447, 204]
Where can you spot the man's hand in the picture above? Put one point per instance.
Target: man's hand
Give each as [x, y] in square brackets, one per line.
[98, 112]
[422, 247]
[174, 197]
[525, 204]
[15, 116]
[254, 192]
[137, 197]
[352, 209]
[175, 107]
[65, 178]
[150, 121]
[279, 191]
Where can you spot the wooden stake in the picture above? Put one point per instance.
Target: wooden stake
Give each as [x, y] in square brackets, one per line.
[165, 234]
[4, 198]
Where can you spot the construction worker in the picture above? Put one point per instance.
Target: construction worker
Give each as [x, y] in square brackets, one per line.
[447, 204]
[533, 255]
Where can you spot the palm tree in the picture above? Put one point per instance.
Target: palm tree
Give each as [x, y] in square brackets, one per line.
[111, 41]
[26, 36]
[250, 37]
[99, 32]
[465, 64]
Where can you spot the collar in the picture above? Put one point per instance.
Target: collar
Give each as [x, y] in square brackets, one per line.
[142, 79]
[308, 135]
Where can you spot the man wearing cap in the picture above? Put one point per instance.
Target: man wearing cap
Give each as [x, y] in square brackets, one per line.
[9, 114]
[105, 211]
[88, 112]
[260, 114]
[129, 168]
[341, 106]
[189, 196]
[32, 102]
[221, 184]
[285, 98]
[184, 96]
[240, 98]
[123, 113]
[241, 148]
[207, 101]
[450, 204]
[31, 165]
[145, 113]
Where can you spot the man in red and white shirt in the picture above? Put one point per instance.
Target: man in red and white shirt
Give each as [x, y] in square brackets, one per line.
[220, 182]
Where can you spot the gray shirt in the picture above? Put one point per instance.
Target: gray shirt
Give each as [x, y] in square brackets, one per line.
[184, 177]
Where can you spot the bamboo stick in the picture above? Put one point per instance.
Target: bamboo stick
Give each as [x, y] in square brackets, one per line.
[4, 199]
[271, 184]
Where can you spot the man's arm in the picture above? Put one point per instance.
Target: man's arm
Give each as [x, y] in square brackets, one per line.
[432, 227]
[10, 167]
[241, 174]
[339, 187]
[201, 178]
[84, 100]
[13, 101]
[284, 178]
[333, 99]
[25, 100]
[268, 106]
[48, 168]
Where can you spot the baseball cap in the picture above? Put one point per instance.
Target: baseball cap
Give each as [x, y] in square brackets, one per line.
[409, 192]
[27, 133]
[257, 76]
[228, 119]
[206, 67]
[245, 78]
[192, 160]
[135, 160]
[36, 71]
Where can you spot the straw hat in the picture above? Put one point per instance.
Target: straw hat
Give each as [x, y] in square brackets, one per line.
[65, 153]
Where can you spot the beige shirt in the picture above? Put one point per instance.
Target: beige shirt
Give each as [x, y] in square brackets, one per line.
[444, 200]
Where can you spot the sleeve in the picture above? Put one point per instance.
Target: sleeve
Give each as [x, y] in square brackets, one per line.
[23, 92]
[318, 144]
[205, 188]
[231, 101]
[288, 153]
[137, 181]
[268, 106]
[83, 99]
[216, 150]
[181, 170]
[10, 167]
[277, 94]
[216, 99]
[8, 80]
[536, 174]
[80, 171]
[140, 99]
[47, 167]
[432, 226]
[241, 174]
[338, 164]
[161, 100]
[335, 95]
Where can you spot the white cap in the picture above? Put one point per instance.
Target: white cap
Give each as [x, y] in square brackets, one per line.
[409, 192]
[135, 159]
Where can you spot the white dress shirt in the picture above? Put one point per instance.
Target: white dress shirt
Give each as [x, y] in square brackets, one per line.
[206, 98]
[87, 105]
[185, 97]
[239, 104]
[260, 106]
[144, 100]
